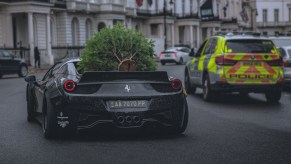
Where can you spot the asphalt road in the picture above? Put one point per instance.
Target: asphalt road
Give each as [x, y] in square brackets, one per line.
[233, 129]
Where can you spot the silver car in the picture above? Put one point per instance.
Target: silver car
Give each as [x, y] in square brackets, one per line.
[285, 53]
[178, 55]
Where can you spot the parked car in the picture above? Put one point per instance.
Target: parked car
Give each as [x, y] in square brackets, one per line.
[178, 55]
[11, 65]
[67, 100]
[285, 53]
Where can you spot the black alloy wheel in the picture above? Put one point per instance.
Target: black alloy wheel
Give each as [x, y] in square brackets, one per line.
[273, 96]
[30, 108]
[189, 89]
[23, 71]
[208, 94]
[180, 128]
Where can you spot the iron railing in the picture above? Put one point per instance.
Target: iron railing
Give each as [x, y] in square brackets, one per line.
[62, 52]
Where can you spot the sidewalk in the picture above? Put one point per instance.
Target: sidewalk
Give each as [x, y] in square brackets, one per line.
[42, 70]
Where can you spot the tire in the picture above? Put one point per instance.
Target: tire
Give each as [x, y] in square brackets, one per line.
[182, 128]
[49, 124]
[30, 107]
[23, 71]
[163, 63]
[51, 128]
[189, 89]
[180, 61]
[1, 76]
[273, 96]
[208, 94]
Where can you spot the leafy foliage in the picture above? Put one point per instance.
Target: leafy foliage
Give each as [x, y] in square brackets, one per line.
[112, 46]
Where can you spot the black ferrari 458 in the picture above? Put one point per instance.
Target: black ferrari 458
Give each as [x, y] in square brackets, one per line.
[67, 100]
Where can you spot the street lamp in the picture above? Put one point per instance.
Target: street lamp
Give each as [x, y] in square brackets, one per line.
[165, 22]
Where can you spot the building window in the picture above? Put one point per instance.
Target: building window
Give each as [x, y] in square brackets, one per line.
[265, 15]
[183, 7]
[154, 29]
[191, 7]
[75, 32]
[101, 25]
[276, 15]
[88, 29]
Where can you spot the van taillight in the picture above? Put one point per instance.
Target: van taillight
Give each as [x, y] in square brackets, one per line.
[277, 62]
[220, 60]
[69, 85]
[176, 84]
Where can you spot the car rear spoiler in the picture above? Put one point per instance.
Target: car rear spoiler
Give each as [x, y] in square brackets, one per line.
[88, 77]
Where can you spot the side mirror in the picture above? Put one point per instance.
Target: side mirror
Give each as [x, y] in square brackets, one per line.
[30, 79]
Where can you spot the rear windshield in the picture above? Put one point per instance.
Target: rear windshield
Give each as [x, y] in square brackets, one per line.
[249, 46]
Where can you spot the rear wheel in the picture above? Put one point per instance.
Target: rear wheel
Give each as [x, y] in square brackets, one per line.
[30, 108]
[1, 76]
[49, 120]
[187, 83]
[180, 129]
[163, 63]
[52, 127]
[180, 61]
[273, 96]
[23, 71]
[208, 94]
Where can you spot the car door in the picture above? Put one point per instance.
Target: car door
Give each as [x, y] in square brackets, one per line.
[41, 85]
[7, 62]
[195, 74]
[12, 63]
[210, 50]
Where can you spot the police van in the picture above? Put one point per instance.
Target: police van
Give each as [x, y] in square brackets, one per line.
[236, 63]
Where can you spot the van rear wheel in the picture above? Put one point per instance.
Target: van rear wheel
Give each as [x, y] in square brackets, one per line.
[208, 94]
[273, 96]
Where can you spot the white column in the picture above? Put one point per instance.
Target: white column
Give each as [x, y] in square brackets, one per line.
[48, 40]
[173, 34]
[191, 37]
[198, 36]
[31, 40]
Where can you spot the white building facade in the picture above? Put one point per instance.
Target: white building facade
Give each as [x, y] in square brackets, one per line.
[273, 17]
[61, 28]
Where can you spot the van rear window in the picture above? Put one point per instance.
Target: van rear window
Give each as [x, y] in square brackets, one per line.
[249, 46]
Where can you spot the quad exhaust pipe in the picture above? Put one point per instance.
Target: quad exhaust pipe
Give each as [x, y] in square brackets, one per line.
[120, 119]
[128, 119]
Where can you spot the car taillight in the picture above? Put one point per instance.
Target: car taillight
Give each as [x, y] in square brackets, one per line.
[220, 60]
[161, 53]
[175, 54]
[69, 85]
[277, 62]
[176, 84]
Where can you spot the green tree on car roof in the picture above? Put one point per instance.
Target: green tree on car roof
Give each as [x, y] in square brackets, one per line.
[116, 49]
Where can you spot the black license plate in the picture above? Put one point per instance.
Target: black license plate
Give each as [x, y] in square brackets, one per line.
[119, 104]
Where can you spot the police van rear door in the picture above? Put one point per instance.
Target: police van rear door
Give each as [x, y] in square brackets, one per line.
[251, 61]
